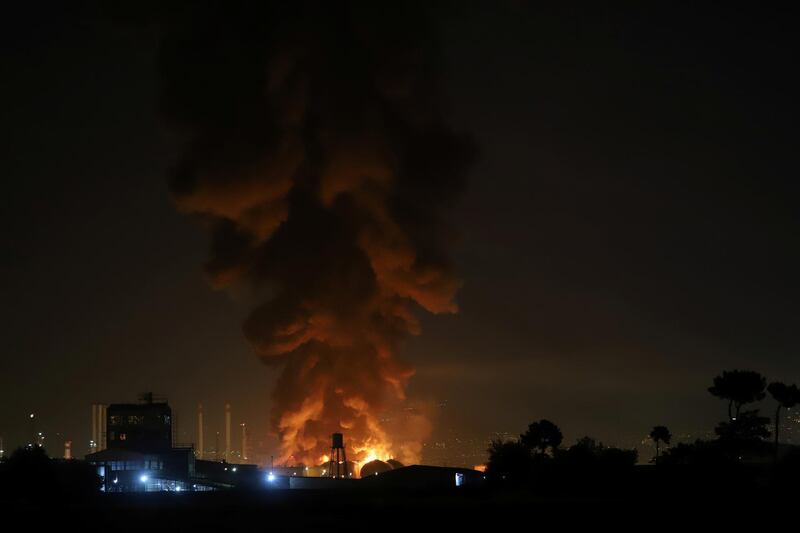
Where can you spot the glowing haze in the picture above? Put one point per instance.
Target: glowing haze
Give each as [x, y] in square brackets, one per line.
[316, 153]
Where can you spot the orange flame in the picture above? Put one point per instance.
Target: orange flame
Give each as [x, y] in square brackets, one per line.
[366, 436]
[333, 208]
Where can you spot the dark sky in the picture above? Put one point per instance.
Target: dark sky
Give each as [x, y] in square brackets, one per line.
[629, 230]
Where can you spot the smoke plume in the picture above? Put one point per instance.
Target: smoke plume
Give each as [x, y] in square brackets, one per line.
[317, 155]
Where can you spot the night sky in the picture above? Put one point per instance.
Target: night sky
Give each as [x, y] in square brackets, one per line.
[629, 229]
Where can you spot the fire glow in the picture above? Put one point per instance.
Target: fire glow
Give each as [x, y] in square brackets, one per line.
[362, 457]
[323, 175]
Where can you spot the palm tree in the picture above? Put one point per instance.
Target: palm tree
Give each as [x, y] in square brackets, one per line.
[739, 387]
[660, 434]
[787, 396]
[542, 435]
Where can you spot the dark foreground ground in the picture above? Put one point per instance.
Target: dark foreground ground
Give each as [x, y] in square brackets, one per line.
[400, 510]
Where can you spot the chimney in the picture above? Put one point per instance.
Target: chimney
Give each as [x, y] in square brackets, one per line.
[200, 450]
[227, 433]
[103, 427]
[244, 442]
[98, 441]
[93, 441]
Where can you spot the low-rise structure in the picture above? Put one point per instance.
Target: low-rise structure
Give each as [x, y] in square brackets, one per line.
[139, 454]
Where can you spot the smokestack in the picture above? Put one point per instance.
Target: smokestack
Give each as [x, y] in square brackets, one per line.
[244, 442]
[99, 425]
[227, 433]
[199, 430]
[93, 440]
[68, 449]
[174, 427]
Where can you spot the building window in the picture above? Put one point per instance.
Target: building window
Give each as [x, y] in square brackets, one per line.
[153, 464]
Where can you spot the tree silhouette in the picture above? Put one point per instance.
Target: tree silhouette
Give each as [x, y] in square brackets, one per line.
[587, 454]
[542, 435]
[748, 427]
[29, 474]
[589, 445]
[739, 387]
[660, 434]
[509, 461]
[787, 396]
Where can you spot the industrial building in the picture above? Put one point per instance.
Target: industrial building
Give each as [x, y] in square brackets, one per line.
[337, 474]
[425, 477]
[138, 454]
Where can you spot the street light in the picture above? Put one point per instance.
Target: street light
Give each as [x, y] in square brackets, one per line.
[34, 440]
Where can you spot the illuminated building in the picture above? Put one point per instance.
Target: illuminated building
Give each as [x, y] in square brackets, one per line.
[137, 454]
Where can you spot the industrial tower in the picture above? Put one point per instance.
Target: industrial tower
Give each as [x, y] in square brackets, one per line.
[338, 465]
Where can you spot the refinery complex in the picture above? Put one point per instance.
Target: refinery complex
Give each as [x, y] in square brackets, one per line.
[133, 449]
